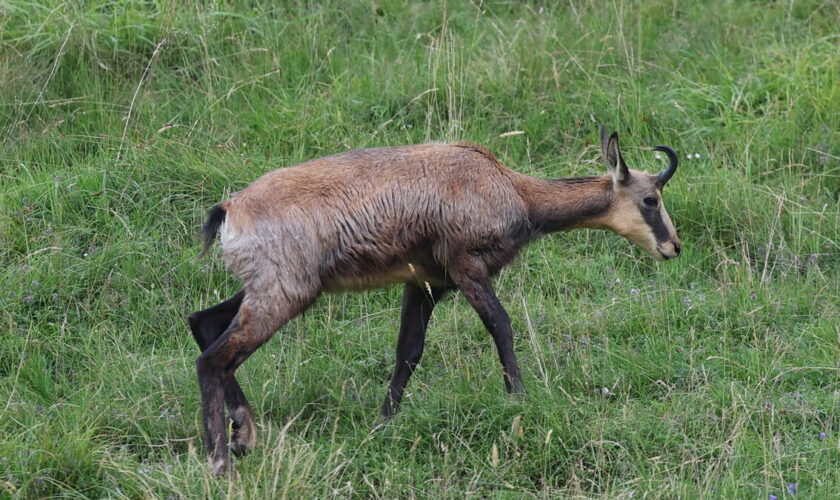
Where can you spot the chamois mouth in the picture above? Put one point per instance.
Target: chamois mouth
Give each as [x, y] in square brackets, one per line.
[669, 253]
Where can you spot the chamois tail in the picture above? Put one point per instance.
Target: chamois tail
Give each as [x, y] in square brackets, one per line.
[215, 218]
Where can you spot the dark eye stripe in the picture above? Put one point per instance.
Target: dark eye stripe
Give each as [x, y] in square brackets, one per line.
[654, 220]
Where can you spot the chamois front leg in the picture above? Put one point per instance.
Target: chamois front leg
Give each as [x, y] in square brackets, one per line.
[474, 282]
[417, 306]
[207, 326]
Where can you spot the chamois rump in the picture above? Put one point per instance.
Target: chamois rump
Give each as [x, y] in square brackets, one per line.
[435, 217]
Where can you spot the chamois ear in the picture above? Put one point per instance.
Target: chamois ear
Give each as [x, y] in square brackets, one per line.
[612, 157]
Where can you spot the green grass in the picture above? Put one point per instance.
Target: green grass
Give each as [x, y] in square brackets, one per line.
[124, 121]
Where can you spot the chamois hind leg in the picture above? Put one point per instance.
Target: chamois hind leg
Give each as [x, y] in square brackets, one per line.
[206, 326]
[259, 316]
[417, 306]
[472, 279]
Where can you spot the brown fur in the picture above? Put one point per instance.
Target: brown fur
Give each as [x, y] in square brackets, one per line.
[433, 216]
[357, 220]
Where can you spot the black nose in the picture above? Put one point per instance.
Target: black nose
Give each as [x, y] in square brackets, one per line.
[677, 248]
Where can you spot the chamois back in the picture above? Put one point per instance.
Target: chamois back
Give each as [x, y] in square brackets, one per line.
[357, 219]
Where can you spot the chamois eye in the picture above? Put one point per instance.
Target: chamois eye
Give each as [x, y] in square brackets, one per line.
[651, 201]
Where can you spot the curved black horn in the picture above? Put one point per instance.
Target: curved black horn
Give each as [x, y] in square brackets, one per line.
[673, 161]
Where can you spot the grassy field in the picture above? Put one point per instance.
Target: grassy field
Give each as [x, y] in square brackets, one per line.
[715, 375]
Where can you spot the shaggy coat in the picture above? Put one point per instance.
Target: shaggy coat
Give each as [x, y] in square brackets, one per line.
[375, 217]
[435, 217]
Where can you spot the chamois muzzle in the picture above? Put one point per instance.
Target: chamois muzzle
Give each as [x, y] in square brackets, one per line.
[673, 161]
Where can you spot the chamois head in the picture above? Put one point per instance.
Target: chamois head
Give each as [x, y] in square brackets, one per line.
[637, 211]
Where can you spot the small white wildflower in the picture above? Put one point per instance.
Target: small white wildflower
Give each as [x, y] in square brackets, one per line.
[658, 156]
[696, 156]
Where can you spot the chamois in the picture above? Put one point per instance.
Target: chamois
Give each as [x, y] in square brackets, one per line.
[435, 217]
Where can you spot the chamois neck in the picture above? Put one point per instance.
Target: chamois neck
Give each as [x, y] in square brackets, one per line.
[563, 204]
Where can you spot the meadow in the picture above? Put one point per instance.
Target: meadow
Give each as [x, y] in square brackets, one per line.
[714, 375]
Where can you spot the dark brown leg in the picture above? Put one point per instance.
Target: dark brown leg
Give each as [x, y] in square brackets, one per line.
[417, 306]
[207, 326]
[255, 323]
[474, 283]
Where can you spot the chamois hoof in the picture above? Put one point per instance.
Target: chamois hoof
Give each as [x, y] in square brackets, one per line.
[244, 432]
[516, 389]
[517, 397]
[389, 409]
[240, 447]
[382, 420]
[221, 467]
